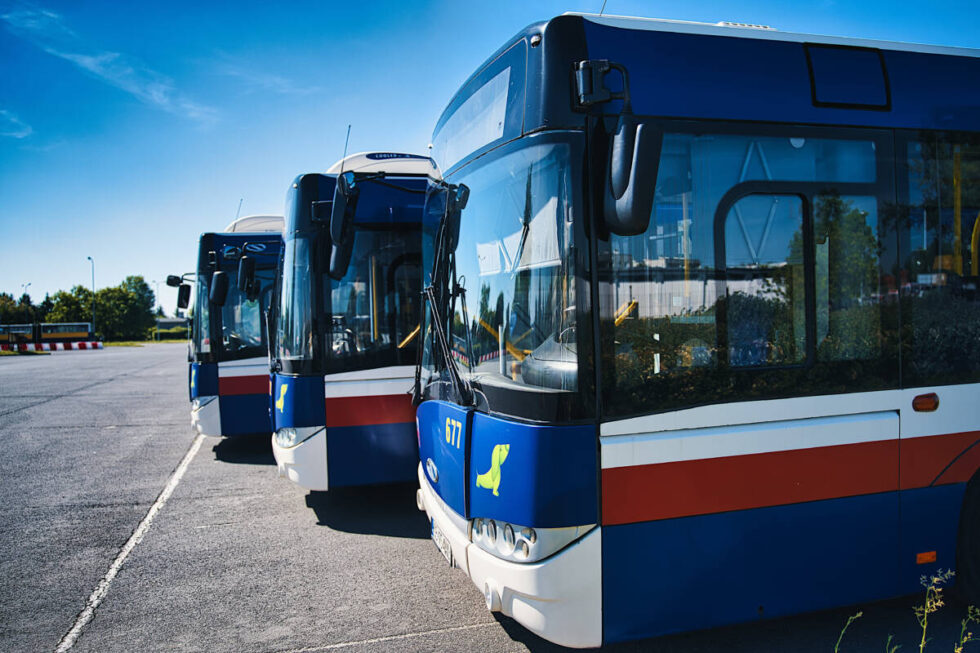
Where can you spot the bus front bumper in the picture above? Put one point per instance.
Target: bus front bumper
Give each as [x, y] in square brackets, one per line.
[559, 598]
[305, 464]
[206, 415]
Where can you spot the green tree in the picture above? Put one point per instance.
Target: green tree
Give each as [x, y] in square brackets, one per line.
[73, 306]
[125, 312]
[14, 312]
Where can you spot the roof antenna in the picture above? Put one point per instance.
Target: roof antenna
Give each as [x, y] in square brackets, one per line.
[346, 141]
[239, 211]
[603, 6]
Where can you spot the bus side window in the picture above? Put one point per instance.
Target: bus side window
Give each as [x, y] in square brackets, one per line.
[765, 286]
[848, 293]
[940, 260]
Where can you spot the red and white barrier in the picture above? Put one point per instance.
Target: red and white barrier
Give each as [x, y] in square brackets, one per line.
[51, 346]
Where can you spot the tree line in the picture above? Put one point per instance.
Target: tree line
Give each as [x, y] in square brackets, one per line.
[123, 312]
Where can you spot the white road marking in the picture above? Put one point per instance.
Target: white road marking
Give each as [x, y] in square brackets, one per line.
[102, 588]
[390, 638]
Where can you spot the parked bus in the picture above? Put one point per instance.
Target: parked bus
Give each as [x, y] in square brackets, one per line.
[228, 379]
[702, 343]
[41, 333]
[347, 327]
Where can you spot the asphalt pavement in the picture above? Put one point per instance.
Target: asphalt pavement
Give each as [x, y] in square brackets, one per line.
[236, 559]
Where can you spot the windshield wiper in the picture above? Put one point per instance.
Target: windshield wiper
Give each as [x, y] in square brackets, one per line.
[460, 385]
[525, 222]
[456, 197]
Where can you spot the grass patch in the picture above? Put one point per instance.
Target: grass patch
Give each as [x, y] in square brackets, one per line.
[126, 343]
[24, 353]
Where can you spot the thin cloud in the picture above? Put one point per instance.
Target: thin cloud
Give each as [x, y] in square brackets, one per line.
[255, 81]
[48, 31]
[13, 127]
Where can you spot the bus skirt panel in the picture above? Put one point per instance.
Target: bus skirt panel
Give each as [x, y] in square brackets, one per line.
[688, 573]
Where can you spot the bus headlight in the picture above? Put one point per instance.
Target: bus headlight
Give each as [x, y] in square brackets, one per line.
[287, 437]
[522, 543]
[290, 436]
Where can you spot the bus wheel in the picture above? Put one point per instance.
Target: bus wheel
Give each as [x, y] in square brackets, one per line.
[968, 547]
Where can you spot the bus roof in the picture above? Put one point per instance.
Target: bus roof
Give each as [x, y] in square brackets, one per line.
[703, 71]
[743, 30]
[256, 223]
[388, 162]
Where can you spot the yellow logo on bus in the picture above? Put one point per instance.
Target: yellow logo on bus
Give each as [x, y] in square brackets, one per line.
[491, 479]
[193, 376]
[280, 403]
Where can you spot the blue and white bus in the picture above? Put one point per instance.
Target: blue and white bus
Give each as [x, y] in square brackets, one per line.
[228, 376]
[702, 341]
[347, 329]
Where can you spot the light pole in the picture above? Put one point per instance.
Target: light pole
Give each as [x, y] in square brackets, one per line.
[23, 291]
[156, 298]
[92, 261]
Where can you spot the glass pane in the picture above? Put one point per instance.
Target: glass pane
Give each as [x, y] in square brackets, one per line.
[765, 281]
[940, 306]
[241, 319]
[295, 335]
[202, 315]
[516, 322]
[375, 307]
[848, 293]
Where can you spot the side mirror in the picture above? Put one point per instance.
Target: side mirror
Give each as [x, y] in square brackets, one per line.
[183, 295]
[246, 273]
[173, 281]
[342, 223]
[634, 155]
[219, 288]
[459, 195]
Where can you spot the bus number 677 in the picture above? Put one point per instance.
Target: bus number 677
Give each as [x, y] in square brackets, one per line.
[454, 432]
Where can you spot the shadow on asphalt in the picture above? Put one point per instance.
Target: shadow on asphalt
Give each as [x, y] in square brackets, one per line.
[371, 510]
[519, 633]
[246, 450]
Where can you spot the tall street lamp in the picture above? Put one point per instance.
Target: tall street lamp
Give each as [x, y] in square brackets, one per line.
[92, 261]
[23, 291]
[156, 299]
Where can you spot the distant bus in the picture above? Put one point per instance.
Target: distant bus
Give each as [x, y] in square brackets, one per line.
[228, 379]
[347, 328]
[46, 332]
[702, 343]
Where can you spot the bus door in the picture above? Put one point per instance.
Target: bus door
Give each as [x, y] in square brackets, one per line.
[800, 267]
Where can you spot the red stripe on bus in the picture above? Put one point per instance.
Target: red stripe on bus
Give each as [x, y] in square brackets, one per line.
[243, 385]
[924, 460]
[365, 411]
[712, 485]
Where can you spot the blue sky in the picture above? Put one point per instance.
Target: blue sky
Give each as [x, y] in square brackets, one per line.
[127, 129]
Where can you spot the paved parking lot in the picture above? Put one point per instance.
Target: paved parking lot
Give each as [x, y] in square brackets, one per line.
[237, 559]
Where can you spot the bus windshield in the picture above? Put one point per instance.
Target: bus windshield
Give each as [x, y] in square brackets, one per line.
[512, 323]
[201, 329]
[242, 331]
[369, 317]
[295, 324]
[374, 309]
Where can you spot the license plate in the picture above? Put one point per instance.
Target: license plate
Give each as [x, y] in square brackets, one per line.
[442, 543]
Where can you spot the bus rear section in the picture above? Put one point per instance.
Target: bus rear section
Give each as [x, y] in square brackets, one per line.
[346, 338]
[757, 314]
[228, 375]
